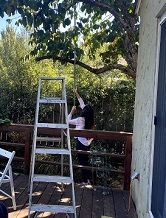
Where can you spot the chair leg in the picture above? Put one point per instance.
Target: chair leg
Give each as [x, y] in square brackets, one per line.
[12, 188]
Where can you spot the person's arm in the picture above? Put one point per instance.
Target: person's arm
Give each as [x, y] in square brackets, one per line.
[82, 104]
[70, 120]
[77, 121]
[73, 110]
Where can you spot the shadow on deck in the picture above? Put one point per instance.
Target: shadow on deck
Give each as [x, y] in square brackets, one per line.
[91, 202]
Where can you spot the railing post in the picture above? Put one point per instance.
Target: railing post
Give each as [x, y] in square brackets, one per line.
[127, 162]
[27, 151]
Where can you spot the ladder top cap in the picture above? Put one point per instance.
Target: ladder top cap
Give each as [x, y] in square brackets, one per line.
[52, 78]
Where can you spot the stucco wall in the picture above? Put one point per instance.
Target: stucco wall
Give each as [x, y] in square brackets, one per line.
[143, 118]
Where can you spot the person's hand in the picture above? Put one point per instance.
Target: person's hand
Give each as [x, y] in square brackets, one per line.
[75, 90]
[73, 110]
[76, 93]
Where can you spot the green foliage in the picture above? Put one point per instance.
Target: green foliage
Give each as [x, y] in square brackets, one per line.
[19, 77]
[5, 121]
[110, 94]
[109, 23]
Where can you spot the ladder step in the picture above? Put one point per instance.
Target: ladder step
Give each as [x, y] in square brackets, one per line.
[52, 100]
[46, 178]
[48, 139]
[53, 125]
[52, 151]
[52, 208]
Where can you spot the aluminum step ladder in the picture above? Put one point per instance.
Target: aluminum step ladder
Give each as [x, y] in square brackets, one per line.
[63, 149]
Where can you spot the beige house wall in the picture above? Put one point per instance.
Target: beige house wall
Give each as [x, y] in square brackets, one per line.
[144, 104]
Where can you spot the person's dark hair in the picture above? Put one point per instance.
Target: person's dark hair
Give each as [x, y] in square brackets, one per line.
[88, 113]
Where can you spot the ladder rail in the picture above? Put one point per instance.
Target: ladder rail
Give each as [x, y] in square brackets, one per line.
[62, 120]
[34, 147]
[69, 147]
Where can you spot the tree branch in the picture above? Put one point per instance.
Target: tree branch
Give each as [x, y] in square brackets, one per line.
[107, 8]
[97, 71]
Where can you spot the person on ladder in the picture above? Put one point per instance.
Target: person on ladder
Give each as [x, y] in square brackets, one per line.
[84, 121]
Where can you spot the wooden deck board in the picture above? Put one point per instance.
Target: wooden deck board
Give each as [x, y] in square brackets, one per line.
[108, 205]
[97, 203]
[79, 197]
[86, 206]
[90, 202]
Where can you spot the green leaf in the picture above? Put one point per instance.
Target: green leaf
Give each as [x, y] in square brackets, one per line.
[45, 8]
[61, 10]
[1, 12]
[9, 21]
[66, 22]
[79, 24]
[20, 10]
[96, 26]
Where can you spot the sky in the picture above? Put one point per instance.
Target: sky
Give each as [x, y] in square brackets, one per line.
[4, 23]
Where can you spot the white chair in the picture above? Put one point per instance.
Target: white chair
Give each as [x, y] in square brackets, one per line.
[7, 176]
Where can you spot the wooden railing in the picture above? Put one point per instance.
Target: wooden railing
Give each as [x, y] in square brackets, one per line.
[25, 140]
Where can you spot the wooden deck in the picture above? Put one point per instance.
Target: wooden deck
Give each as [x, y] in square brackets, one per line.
[91, 202]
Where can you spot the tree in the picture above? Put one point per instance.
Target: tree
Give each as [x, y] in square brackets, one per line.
[19, 77]
[110, 94]
[111, 24]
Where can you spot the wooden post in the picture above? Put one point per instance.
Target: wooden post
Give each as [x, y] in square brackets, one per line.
[27, 151]
[127, 163]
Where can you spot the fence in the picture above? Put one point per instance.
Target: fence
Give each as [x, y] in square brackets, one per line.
[24, 135]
